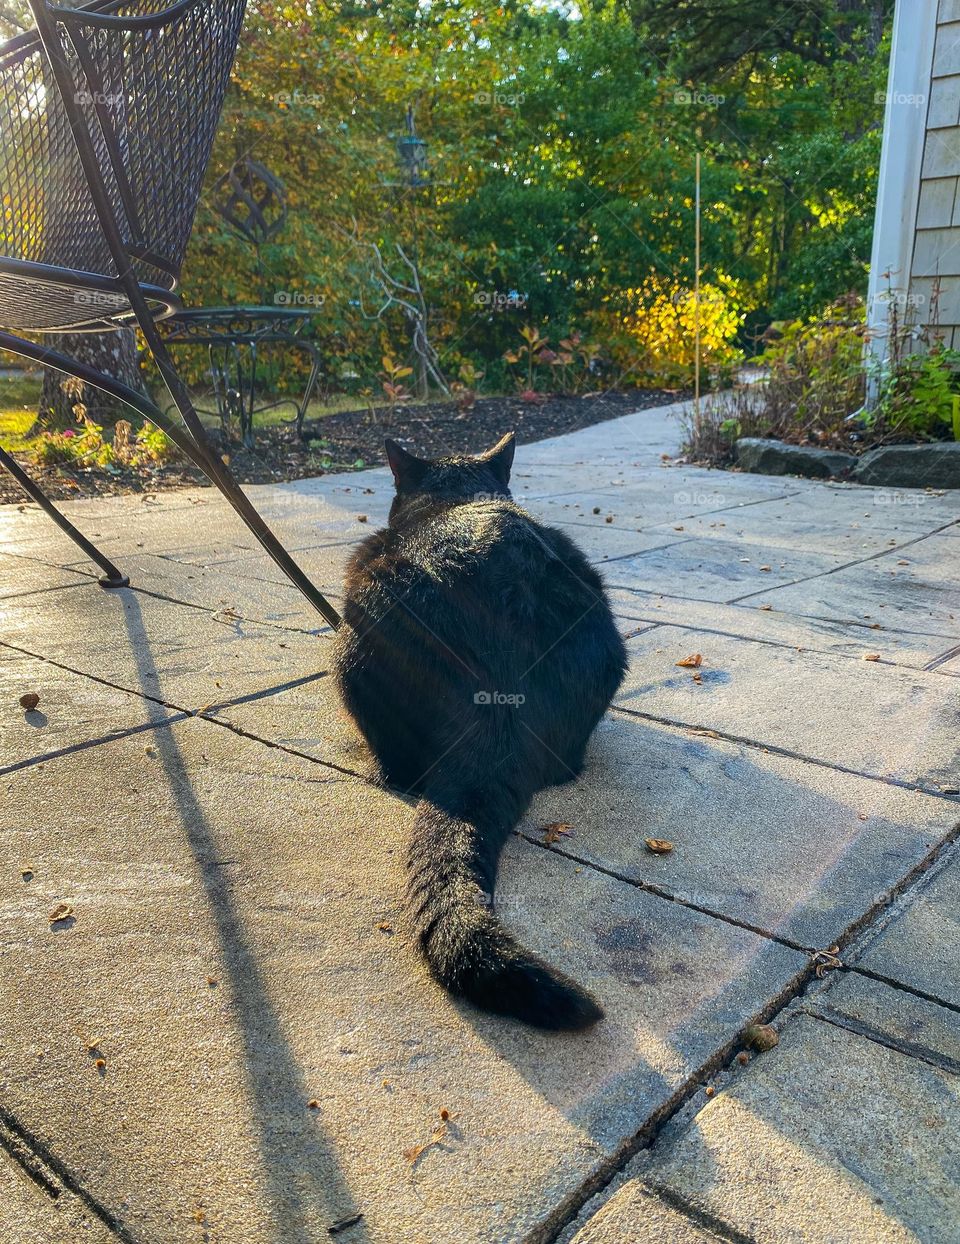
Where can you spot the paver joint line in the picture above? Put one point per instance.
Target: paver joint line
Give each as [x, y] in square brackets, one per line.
[827, 1015]
[773, 749]
[47, 1170]
[860, 561]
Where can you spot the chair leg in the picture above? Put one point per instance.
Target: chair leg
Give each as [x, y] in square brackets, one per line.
[111, 576]
[216, 470]
[192, 440]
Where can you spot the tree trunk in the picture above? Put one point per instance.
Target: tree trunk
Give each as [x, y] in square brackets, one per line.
[114, 353]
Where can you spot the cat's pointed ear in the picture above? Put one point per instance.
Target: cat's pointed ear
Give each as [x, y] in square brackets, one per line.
[407, 469]
[500, 458]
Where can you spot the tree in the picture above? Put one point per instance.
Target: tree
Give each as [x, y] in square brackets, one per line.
[114, 353]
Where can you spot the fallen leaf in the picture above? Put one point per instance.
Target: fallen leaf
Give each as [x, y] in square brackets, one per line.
[871, 656]
[62, 911]
[658, 846]
[692, 662]
[439, 1132]
[342, 1223]
[555, 831]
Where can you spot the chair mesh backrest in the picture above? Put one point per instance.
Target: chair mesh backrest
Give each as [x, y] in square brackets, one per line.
[160, 90]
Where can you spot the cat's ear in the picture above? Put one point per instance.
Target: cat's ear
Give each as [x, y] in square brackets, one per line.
[407, 469]
[500, 458]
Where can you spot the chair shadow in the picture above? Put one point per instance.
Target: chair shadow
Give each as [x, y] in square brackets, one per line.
[278, 1091]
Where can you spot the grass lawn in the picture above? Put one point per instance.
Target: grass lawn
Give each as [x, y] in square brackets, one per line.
[19, 396]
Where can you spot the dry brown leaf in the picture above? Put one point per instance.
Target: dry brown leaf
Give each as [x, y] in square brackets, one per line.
[62, 911]
[555, 831]
[871, 656]
[439, 1132]
[692, 662]
[658, 846]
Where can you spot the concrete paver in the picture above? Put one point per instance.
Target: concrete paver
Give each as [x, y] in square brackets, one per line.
[238, 952]
[920, 947]
[73, 710]
[272, 1047]
[187, 657]
[900, 724]
[830, 1137]
[758, 619]
[796, 849]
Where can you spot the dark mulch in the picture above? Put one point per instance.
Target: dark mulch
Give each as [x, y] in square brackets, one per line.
[342, 441]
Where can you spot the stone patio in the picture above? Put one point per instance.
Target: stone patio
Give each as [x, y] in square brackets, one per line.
[231, 1040]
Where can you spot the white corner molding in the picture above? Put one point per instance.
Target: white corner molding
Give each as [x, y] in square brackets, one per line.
[901, 162]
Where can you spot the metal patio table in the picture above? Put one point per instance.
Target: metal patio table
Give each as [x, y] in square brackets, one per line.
[233, 337]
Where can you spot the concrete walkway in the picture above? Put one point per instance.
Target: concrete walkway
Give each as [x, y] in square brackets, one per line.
[229, 1038]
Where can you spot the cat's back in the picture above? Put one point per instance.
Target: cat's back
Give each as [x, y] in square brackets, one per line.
[488, 545]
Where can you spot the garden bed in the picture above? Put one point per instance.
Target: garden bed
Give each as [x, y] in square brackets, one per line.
[351, 440]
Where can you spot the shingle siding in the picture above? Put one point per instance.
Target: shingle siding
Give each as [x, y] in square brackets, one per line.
[935, 270]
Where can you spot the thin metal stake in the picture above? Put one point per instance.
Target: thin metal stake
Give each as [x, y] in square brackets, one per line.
[696, 304]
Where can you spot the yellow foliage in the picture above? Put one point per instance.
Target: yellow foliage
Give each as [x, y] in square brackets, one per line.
[650, 331]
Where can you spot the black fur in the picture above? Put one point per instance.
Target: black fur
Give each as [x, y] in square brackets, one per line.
[465, 596]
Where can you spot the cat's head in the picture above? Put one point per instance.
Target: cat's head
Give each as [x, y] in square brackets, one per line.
[459, 477]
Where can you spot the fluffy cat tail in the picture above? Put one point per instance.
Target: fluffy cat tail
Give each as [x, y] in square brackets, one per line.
[452, 861]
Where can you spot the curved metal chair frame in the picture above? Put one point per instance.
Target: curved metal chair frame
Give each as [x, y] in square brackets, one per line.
[107, 117]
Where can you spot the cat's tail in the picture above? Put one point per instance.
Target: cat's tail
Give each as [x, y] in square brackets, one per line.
[457, 839]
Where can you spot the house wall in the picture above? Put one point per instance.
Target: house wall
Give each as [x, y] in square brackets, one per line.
[936, 250]
[916, 250]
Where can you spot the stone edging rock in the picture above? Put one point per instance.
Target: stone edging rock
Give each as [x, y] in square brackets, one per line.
[936, 465]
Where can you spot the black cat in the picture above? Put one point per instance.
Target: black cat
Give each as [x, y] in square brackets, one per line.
[477, 654]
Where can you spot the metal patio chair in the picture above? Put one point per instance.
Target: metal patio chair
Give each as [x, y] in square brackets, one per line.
[108, 112]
